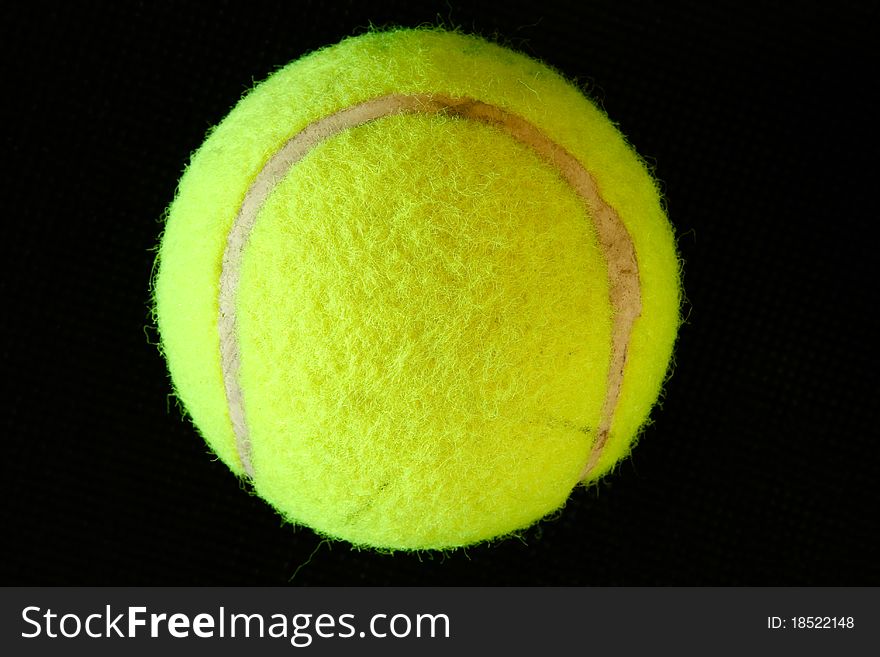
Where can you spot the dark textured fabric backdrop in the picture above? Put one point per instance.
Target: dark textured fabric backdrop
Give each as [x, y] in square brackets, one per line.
[761, 466]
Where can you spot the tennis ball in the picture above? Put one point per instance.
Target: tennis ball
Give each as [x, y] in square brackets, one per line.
[415, 287]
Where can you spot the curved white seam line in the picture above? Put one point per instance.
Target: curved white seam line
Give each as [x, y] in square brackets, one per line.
[623, 275]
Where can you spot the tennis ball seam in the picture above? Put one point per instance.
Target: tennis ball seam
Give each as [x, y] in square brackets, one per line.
[614, 239]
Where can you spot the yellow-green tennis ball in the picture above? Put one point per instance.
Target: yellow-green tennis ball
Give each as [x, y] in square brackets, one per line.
[416, 287]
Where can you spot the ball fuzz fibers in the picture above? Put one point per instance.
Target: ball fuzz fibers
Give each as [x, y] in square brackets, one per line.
[415, 287]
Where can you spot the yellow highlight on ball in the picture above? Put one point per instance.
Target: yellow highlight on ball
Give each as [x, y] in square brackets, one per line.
[416, 287]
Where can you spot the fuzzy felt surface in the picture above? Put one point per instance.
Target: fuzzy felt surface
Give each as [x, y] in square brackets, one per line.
[423, 312]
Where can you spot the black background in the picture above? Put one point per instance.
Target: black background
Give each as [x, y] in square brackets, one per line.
[761, 464]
